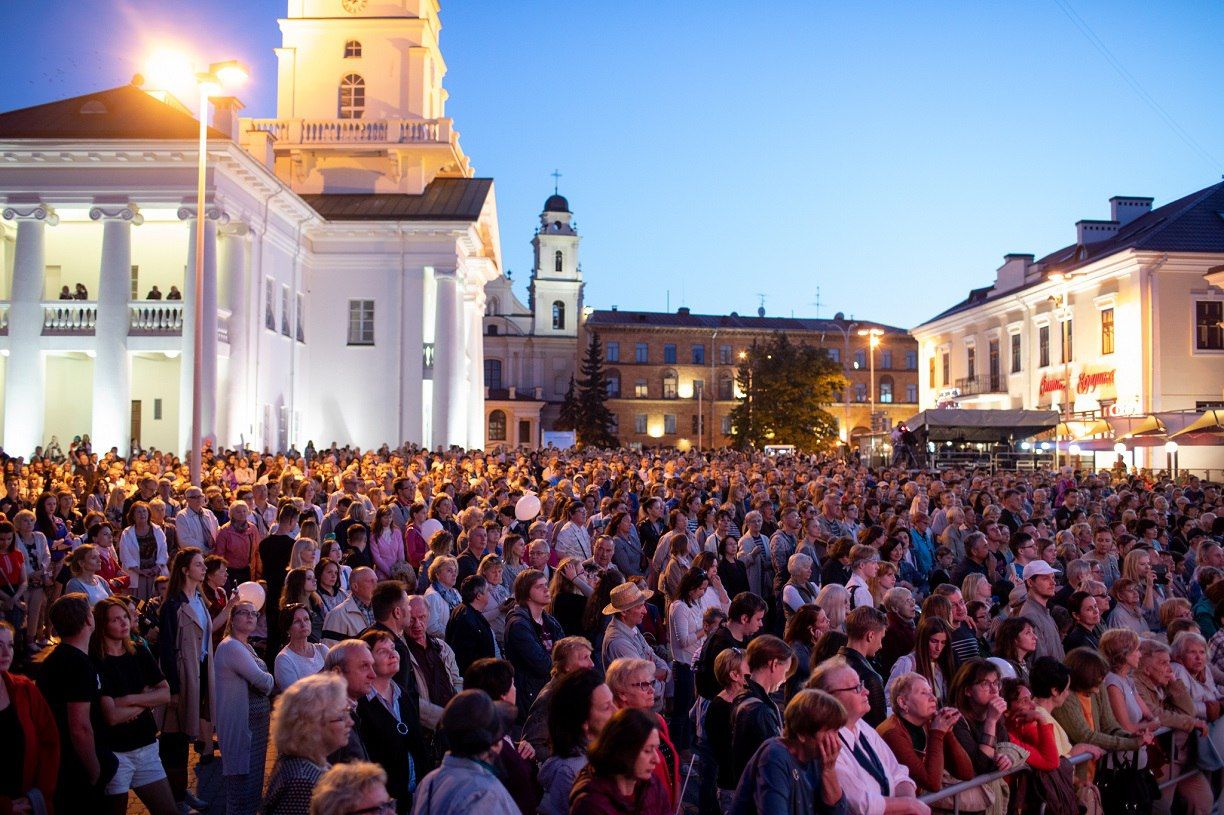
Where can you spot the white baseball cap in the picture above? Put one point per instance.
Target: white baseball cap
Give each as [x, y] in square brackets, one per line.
[1039, 567]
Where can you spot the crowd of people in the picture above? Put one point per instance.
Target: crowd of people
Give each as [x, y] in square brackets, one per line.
[597, 632]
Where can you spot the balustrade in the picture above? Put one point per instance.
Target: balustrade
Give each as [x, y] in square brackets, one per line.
[69, 317]
[349, 131]
[155, 318]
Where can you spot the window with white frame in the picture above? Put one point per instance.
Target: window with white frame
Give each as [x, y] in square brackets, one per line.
[361, 322]
[1209, 325]
[352, 97]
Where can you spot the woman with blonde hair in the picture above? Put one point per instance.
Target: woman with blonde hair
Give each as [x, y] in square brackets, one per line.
[884, 580]
[84, 563]
[835, 601]
[1120, 647]
[1137, 566]
[305, 553]
[441, 596]
[310, 721]
[33, 547]
[358, 787]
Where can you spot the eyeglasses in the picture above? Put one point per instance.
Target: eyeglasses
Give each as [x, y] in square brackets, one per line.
[859, 688]
[649, 683]
[384, 808]
[992, 684]
[246, 612]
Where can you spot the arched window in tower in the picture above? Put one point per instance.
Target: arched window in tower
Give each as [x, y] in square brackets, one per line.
[352, 97]
[352, 49]
[558, 261]
[497, 425]
[558, 316]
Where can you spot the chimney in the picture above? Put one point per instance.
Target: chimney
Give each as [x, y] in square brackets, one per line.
[1011, 274]
[225, 115]
[683, 311]
[1087, 232]
[1126, 208]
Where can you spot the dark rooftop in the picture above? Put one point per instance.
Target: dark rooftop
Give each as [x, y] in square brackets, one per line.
[445, 199]
[126, 112]
[684, 319]
[1193, 223]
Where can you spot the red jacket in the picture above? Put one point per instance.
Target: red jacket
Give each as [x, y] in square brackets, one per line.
[42, 745]
[1038, 739]
[593, 795]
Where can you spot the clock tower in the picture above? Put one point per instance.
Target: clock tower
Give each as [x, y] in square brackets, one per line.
[556, 281]
[360, 103]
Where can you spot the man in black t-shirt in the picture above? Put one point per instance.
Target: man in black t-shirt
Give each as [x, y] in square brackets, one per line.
[744, 619]
[71, 685]
[274, 553]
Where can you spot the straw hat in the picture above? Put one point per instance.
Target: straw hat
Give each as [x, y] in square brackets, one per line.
[626, 596]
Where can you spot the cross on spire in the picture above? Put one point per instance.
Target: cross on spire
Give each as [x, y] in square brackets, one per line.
[556, 175]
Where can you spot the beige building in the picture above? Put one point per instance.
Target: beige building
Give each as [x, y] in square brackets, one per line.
[1126, 321]
[672, 376]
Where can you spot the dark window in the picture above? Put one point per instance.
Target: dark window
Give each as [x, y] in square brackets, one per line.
[491, 330]
[558, 315]
[726, 386]
[669, 354]
[613, 385]
[911, 393]
[696, 424]
[1043, 346]
[699, 355]
[947, 369]
[612, 352]
[352, 97]
[641, 354]
[361, 322]
[911, 360]
[724, 355]
[1209, 333]
[860, 359]
[993, 366]
[493, 373]
[971, 362]
[497, 425]
[1067, 349]
[860, 392]
[834, 354]
[1015, 353]
[558, 261]
[639, 423]
[1107, 331]
[886, 360]
[669, 424]
[352, 48]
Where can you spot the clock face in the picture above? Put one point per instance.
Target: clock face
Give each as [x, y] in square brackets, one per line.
[353, 6]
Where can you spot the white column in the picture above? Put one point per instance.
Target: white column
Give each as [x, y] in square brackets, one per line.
[208, 367]
[112, 413]
[24, 395]
[448, 423]
[236, 407]
[473, 314]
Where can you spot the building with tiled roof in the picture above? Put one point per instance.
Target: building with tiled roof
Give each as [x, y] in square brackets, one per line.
[672, 374]
[1127, 320]
[347, 242]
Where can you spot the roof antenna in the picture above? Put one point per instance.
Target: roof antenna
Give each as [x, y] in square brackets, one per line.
[817, 303]
[556, 176]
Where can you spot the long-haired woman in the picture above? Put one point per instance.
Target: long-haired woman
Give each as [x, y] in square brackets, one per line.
[931, 659]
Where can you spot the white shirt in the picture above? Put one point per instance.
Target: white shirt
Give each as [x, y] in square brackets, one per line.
[863, 793]
[291, 666]
[684, 629]
[860, 594]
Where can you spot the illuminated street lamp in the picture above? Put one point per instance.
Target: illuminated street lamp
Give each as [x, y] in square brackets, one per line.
[1171, 458]
[170, 69]
[873, 339]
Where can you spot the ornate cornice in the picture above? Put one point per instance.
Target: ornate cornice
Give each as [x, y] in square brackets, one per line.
[117, 212]
[31, 212]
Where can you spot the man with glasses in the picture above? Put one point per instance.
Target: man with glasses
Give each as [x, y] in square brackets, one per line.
[875, 783]
[1024, 551]
[196, 525]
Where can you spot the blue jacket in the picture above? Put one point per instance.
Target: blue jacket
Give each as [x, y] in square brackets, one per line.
[462, 786]
[775, 783]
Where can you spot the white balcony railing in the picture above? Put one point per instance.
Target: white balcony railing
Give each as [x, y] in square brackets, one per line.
[356, 131]
[155, 318]
[69, 317]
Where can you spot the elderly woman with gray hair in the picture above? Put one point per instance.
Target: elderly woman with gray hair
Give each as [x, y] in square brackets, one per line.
[799, 590]
[309, 722]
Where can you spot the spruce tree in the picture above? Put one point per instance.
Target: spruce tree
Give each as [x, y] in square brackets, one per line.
[594, 422]
[568, 418]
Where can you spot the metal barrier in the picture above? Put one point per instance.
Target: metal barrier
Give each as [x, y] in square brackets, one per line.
[982, 780]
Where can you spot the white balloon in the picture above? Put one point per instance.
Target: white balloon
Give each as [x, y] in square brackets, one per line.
[527, 507]
[430, 528]
[253, 593]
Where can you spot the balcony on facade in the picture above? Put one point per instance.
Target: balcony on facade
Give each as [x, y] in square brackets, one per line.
[294, 132]
[146, 318]
[976, 385]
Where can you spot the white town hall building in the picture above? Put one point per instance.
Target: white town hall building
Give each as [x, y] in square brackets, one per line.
[347, 246]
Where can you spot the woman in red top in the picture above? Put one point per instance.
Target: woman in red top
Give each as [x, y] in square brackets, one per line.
[1026, 729]
[28, 731]
[12, 576]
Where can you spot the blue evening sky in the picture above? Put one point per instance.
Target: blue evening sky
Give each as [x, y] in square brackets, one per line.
[889, 153]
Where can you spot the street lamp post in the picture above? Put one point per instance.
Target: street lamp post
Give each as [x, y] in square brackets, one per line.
[210, 84]
[873, 339]
[1062, 302]
[845, 332]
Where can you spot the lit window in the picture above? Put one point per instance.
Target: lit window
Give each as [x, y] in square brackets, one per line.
[726, 425]
[670, 385]
[361, 322]
[947, 368]
[352, 49]
[1107, 331]
[860, 392]
[641, 390]
[1208, 331]
[886, 389]
[352, 97]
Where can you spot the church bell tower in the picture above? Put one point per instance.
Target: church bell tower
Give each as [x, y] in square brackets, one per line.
[556, 281]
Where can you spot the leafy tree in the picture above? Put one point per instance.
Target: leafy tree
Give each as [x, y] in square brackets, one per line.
[568, 418]
[786, 388]
[594, 422]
